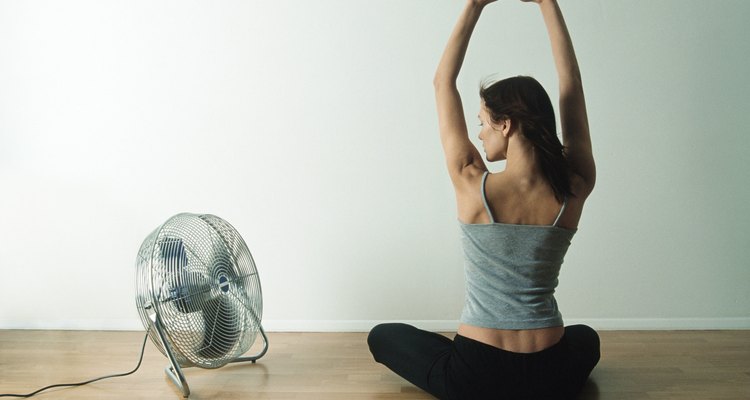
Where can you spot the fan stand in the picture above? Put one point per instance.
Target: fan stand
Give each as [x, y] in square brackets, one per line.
[174, 371]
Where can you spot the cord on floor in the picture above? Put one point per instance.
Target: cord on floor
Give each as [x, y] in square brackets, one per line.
[140, 359]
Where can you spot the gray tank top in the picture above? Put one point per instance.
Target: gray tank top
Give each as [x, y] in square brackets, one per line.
[511, 272]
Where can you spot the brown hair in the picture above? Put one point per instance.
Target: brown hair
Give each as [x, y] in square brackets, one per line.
[523, 100]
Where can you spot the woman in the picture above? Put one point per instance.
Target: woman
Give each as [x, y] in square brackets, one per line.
[516, 227]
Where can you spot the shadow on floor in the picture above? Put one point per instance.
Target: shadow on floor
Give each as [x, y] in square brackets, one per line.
[590, 391]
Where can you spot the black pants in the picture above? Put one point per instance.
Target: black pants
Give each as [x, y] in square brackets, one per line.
[466, 369]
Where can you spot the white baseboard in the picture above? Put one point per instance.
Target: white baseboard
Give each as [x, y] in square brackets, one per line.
[664, 324]
[609, 324]
[365, 325]
[74, 324]
[351, 325]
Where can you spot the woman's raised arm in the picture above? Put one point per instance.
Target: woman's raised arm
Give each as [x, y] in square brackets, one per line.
[460, 153]
[573, 117]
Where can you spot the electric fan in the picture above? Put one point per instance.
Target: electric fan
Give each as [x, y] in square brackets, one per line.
[198, 294]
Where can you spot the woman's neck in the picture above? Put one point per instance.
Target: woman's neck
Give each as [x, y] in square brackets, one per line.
[521, 162]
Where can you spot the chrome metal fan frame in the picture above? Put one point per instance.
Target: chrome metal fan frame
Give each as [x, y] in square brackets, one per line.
[194, 276]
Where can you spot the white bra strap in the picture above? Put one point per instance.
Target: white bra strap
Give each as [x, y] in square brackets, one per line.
[562, 210]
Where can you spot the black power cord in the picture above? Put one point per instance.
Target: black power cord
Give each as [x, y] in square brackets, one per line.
[140, 359]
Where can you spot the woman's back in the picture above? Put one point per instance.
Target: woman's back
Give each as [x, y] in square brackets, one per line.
[531, 201]
[506, 219]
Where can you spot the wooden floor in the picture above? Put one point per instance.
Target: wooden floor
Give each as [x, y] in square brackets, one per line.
[333, 366]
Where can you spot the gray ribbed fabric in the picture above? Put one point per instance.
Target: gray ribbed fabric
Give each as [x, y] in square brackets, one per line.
[511, 273]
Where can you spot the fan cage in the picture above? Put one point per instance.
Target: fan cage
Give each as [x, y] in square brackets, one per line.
[198, 275]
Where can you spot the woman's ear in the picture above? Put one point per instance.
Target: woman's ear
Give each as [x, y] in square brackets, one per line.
[505, 127]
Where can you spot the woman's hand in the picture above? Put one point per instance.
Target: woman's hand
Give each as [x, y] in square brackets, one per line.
[481, 3]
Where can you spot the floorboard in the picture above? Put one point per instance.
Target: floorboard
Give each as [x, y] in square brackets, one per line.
[635, 365]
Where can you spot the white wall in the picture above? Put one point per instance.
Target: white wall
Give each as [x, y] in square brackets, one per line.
[310, 126]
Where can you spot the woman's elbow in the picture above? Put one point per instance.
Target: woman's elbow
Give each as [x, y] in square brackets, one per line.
[443, 79]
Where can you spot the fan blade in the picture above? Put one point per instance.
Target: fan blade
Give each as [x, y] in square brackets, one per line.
[221, 329]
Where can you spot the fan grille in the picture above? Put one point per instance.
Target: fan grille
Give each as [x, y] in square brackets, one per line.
[198, 274]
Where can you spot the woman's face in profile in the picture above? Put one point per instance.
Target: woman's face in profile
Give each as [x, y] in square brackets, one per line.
[494, 143]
